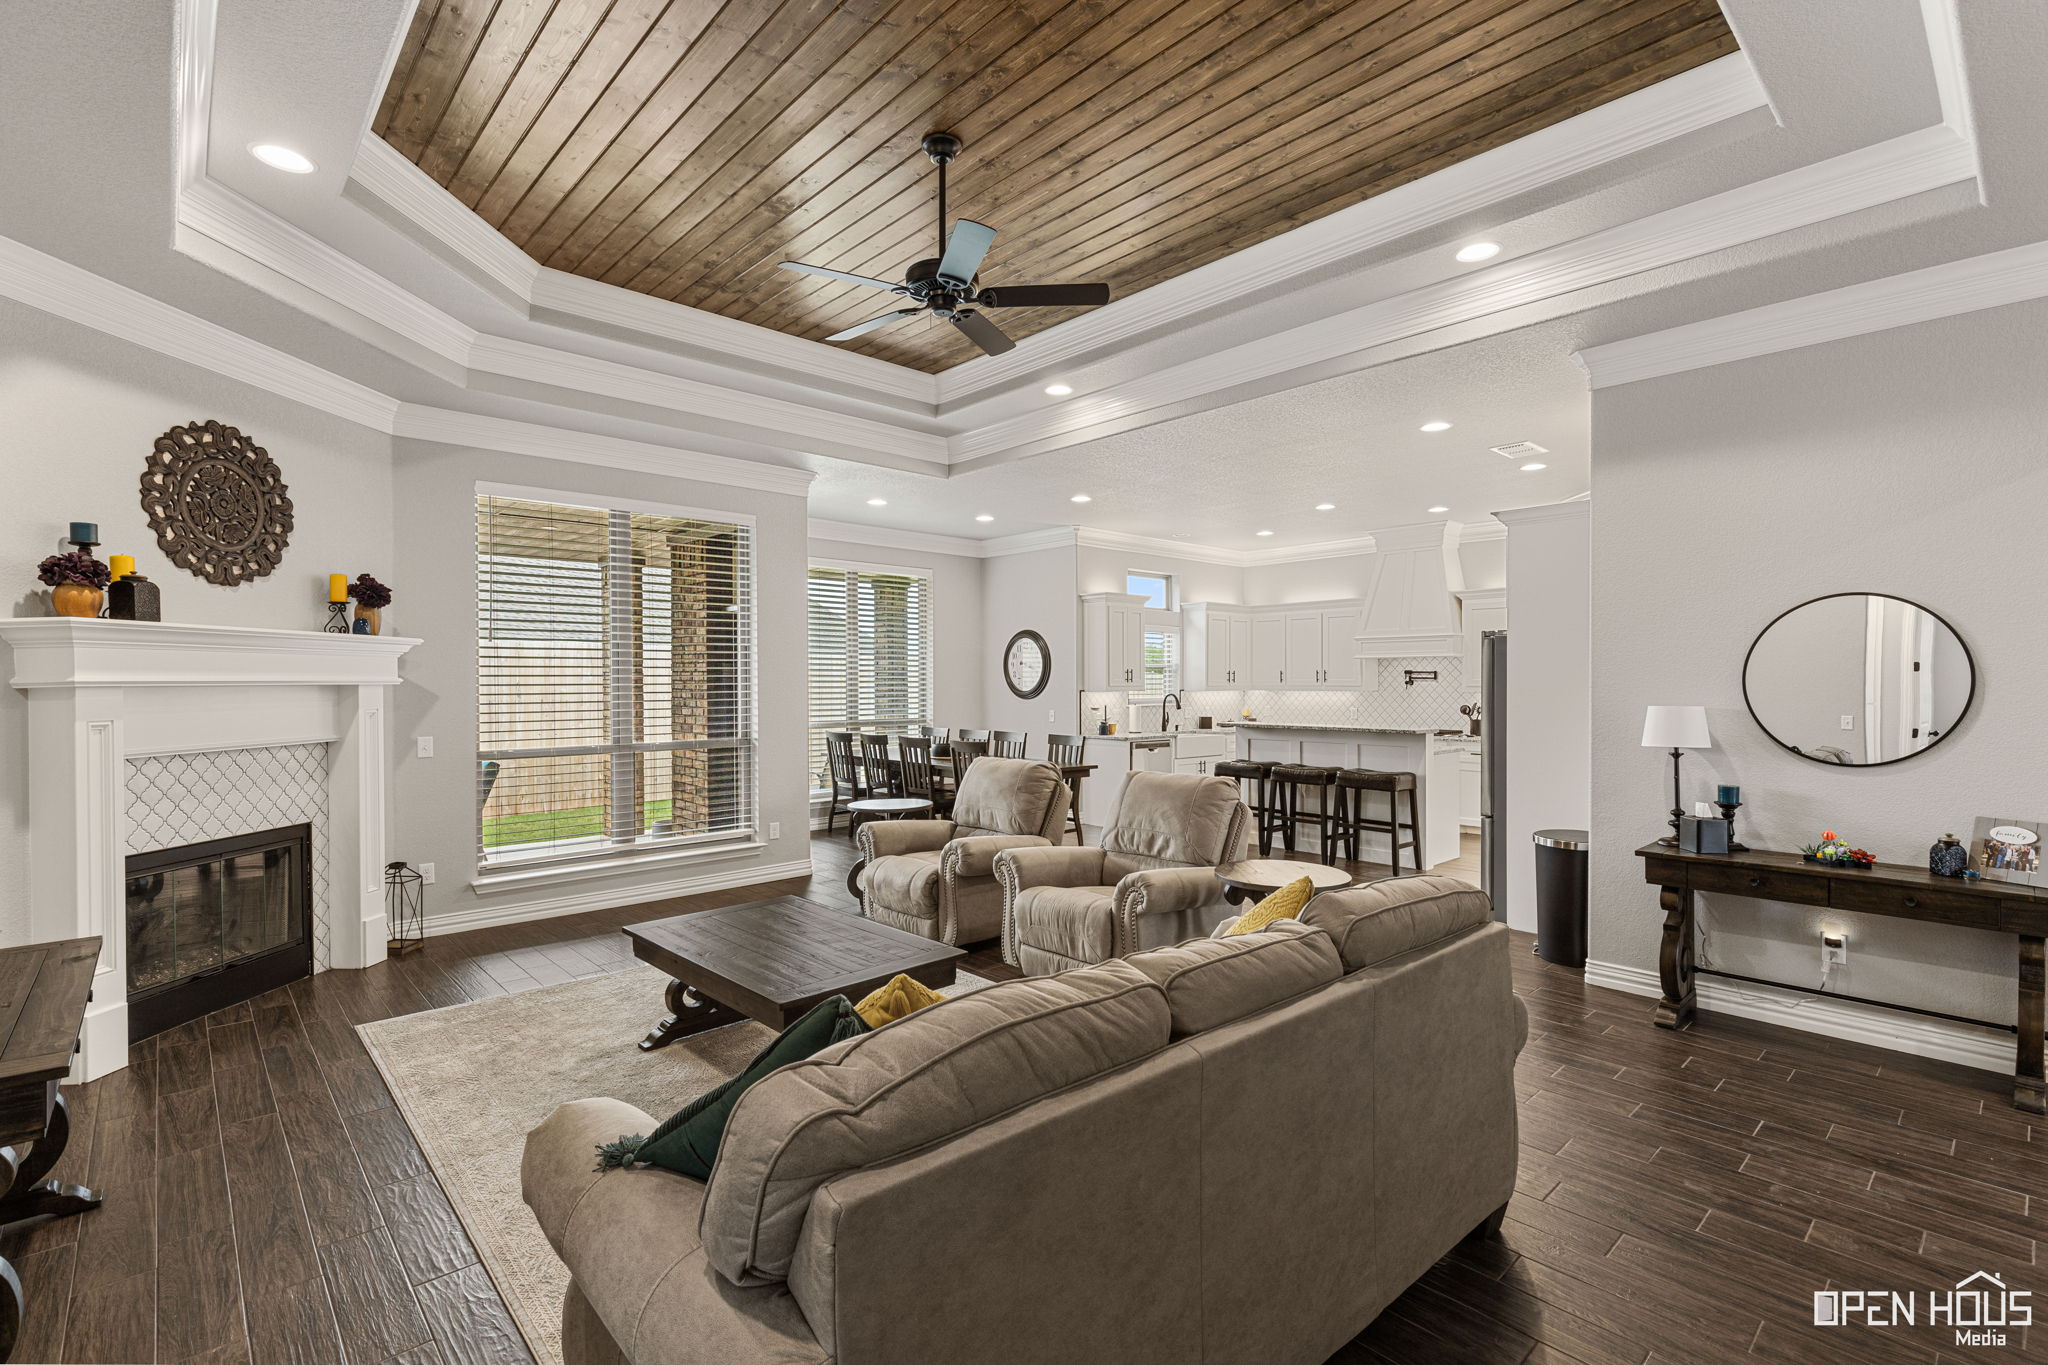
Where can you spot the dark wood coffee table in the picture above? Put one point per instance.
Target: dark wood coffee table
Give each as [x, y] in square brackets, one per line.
[773, 960]
[1259, 877]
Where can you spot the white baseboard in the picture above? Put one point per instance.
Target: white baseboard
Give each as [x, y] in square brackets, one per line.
[1943, 1039]
[610, 898]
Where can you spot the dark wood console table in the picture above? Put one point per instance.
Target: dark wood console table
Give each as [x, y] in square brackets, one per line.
[1893, 889]
[44, 988]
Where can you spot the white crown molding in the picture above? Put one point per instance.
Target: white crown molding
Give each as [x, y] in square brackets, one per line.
[1482, 597]
[446, 426]
[387, 179]
[885, 538]
[1571, 509]
[1028, 542]
[64, 290]
[1989, 281]
[1721, 89]
[1911, 164]
[1097, 539]
[1966, 1044]
[1476, 531]
[1430, 532]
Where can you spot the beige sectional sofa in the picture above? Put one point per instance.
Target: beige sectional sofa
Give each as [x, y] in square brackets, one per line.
[1231, 1150]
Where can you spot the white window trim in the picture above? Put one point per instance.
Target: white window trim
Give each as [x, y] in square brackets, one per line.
[1172, 585]
[575, 866]
[924, 572]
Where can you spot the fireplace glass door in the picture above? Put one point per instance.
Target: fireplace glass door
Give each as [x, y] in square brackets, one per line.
[213, 924]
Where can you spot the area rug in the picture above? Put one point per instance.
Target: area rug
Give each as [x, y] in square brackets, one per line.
[472, 1079]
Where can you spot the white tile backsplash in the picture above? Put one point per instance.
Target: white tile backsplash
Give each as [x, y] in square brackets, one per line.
[1431, 705]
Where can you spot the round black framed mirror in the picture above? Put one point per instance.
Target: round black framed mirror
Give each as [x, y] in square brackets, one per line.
[1858, 679]
[1027, 663]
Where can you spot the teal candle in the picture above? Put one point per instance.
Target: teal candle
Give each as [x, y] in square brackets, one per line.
[85, 532]
[1728, 796]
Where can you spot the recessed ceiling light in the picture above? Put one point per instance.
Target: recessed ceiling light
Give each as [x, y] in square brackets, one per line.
[1265, 533]
[1059, 390]
[878, 502]
[984, 517]
[1533, 466]
[1326, 507]
[1080, 497]
[1436, 426]
[1439, 509]
[1479, 251]
[281, 158]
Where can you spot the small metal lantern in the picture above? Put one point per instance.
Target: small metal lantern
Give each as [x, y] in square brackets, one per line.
[404, 908]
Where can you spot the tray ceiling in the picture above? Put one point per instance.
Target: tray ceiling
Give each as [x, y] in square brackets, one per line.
[681, 149]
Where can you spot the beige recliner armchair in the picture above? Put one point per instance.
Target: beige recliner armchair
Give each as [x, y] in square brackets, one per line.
[1151, 883]
[936, 877]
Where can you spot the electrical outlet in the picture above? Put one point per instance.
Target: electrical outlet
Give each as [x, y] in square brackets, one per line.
[775, 829]
[427, 873]
[1848, 722]
[1052, 714]
[1834, 952]
[426, 746]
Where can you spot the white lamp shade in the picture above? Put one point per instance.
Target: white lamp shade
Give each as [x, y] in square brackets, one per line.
[1676, 727]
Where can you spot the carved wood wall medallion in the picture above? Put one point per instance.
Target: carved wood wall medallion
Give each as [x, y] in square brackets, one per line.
[217, 503]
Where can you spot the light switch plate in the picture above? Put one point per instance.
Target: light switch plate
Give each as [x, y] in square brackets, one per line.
[427, 873]
[426, 746]
[775, 829]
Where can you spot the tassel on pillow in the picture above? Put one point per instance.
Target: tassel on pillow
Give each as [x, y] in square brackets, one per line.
[612, 1156]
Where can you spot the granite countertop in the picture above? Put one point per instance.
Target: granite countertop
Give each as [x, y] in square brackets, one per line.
[1335, 729]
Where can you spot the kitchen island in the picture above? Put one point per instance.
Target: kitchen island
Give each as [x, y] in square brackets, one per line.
[1434, 762]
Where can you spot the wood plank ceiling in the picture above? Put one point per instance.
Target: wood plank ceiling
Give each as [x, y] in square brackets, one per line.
[681, 148]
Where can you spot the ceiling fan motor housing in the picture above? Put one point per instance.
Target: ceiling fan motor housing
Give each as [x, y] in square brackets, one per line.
[941, 147]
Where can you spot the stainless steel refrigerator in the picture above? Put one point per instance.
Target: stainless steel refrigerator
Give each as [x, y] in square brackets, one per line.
[1493, 768]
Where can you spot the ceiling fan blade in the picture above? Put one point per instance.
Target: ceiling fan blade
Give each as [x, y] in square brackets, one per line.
[1045, 296]
[842, 275]
[983, 333]
[863, 328]
[964, 250]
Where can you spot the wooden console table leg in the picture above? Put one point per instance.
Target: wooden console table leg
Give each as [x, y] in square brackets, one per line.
[2029, 1083]
[30, 1195]
[689, 1013]
[1674, 963]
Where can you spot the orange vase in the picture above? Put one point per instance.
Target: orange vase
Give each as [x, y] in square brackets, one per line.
[76, 599]
[372, 617]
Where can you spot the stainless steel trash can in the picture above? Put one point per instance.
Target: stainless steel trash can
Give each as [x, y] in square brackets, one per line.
[1561, 896]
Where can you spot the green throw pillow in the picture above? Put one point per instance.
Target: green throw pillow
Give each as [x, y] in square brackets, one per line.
[688, 1142]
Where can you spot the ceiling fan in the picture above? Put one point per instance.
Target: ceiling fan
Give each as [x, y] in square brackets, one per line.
[944, 285]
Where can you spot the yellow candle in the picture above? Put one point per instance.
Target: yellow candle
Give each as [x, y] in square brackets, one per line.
[121, 565]
[337, 587]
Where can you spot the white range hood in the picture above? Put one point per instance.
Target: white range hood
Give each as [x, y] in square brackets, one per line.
[1412, 606]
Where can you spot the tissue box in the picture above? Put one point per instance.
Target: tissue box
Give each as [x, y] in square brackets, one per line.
[1697, 835]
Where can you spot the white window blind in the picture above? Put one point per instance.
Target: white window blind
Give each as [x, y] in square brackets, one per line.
[1162, 662]
[870, 651]
[615, 672]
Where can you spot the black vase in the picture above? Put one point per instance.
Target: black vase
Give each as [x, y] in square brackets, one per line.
[1948, 858]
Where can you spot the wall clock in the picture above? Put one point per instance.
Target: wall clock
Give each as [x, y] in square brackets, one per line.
[1027, 663]
[217, 503]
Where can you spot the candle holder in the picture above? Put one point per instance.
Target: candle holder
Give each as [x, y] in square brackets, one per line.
[337, 618]
[1728, 809]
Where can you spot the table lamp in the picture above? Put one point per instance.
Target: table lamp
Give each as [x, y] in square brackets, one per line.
[1680, 728]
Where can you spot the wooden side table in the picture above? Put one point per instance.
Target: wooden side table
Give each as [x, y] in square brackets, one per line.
[44, 988]
[1256, 878]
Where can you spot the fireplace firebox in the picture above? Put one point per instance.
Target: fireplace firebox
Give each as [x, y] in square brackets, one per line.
[213, 924]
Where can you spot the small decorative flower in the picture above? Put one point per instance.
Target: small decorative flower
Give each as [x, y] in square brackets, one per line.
[368, 593]
[73, 566]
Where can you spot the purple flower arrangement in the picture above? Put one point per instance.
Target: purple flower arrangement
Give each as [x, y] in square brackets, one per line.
[75, 566]
[368, 593]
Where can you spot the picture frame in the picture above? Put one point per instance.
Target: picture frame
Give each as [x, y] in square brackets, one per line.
[2008, 849]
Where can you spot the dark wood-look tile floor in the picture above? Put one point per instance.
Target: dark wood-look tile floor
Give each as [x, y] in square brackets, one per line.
[1681, 1197]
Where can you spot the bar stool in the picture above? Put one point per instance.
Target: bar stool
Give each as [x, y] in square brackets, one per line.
[1068, 753]
[1265, 815]
[1289, 781]
[1352, 785]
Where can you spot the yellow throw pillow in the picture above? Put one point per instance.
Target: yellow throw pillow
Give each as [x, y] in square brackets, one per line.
[899, 997]
[1286, 903]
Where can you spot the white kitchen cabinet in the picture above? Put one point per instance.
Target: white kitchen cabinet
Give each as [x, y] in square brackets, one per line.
[1310, 647]
[1216, 645]
[1341, 664]
[1302, 665]
[1112, 642]
[1269, 649]
[1468, 790]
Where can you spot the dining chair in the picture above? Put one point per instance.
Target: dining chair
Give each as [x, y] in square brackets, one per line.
[1008, 743]
[963, 753]
[937, 734]
[975, 736]
[1067, 752]
[849, 780]
[917, 776]
[874, 756]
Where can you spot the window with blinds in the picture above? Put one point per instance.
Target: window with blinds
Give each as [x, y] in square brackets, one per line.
[871, 653]
[615, 681]
[1162, 662]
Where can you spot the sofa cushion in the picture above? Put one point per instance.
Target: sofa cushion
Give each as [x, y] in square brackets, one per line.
[1175, 820]
[1073, 921]
[946, 1069]
[1010, 796]
[907, 883]
[1211, 981]
[897, 998]
[1385, 919]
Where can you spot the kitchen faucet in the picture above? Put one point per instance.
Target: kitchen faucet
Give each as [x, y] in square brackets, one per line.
[1173, 697]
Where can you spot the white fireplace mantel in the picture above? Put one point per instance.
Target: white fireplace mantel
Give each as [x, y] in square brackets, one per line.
[101, 692]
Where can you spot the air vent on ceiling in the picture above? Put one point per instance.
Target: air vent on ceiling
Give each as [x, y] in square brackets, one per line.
[1519, 450]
